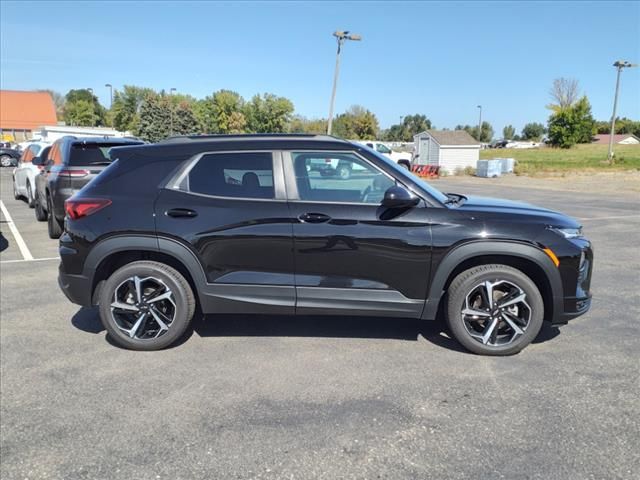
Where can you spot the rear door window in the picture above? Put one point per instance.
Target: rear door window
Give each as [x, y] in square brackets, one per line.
[239, 175]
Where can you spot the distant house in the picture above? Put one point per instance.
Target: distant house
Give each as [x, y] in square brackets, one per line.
[450, 149]
[620, 139]
[23, 112]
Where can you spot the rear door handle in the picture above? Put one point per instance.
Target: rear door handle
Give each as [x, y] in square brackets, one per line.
[181, 212]
[314, 218]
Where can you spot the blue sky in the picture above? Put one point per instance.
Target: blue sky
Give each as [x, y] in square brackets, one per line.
[440, 59]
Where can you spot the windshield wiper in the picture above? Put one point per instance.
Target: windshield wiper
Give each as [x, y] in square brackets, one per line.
[100, 163]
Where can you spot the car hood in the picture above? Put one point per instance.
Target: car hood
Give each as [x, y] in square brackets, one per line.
[509, 207]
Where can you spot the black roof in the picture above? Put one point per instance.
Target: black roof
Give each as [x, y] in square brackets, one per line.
[192, 145]
[119, 140]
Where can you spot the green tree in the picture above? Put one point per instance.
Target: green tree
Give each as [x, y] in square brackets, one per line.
[74, 96]
[411, 125]
[508, 132]
[486, 131]
[268, 113]
[155, 118]
[184, 120]
[299, 124]
[533, 131]
[571, 125]
[80, 113]
[356, 123]
[126, 107]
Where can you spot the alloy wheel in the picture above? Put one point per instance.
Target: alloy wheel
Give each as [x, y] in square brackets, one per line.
[496, 313]
[143, 308]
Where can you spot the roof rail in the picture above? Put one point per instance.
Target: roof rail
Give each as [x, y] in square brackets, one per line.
[192, 138]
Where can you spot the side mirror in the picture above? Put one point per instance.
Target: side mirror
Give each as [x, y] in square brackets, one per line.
[399, 197]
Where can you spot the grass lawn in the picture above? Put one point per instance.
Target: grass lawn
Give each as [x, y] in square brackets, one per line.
[578, 159]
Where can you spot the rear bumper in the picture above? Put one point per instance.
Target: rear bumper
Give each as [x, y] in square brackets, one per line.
[77, 288]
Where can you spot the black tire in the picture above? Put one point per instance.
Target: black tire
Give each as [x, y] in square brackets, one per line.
[183, 298]
[470, 284]
[405, 164]
[343, 172]
[6, 160]
[31, 201]
[16, 195]
[41, 213]
[53, 224]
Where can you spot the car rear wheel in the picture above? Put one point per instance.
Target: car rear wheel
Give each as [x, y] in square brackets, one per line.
[146, 305]
[53, 224]
[41, 213]
[30, 200]
[494, 310]
[5, 161]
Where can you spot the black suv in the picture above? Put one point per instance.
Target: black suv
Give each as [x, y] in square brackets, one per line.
[71, 163]
[244, 224]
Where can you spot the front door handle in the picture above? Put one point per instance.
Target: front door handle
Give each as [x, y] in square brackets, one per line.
[314, 218]
[181, 212]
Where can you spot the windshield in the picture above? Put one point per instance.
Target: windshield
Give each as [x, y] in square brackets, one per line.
[382, 148]
[91, 153]
[403, 172]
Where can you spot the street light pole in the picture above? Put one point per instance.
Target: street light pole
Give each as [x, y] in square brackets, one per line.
[341, 37]
[171, 90]
[110, 87]
[620, 64]
[480, 124]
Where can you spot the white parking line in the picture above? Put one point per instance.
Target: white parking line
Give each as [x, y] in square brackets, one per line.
[609, 218]
[32, 260]
[26, 254]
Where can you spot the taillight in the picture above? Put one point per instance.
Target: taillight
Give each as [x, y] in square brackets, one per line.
[82, 207]
[67, 172]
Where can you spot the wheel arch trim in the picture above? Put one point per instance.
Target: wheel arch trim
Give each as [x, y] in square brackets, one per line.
[481, 248]
[149, 243]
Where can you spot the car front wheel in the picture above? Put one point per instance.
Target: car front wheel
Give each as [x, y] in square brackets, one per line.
[494, 310]
[146, 305]
[31, 201]
[6, 161]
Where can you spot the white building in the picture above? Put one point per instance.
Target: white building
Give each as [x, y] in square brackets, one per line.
[450, 149]
[50, 133]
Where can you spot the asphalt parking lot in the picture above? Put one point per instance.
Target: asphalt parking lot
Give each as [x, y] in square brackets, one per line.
[307, 398]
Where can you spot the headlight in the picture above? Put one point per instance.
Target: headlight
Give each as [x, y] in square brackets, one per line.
[567, 232]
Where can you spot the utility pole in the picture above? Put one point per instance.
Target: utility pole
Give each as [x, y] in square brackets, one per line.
[480, 124]
[620, 64]
[171, 90]
[110, 87]
[341, 37]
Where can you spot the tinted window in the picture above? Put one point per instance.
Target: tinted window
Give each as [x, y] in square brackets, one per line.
[382, 148]
[338, 177]
[242, 175]
[91, 153]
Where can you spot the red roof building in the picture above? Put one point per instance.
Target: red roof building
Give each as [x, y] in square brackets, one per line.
[23, 112]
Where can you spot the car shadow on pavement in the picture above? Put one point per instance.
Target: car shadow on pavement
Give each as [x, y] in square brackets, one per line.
[4, 243]
[435, 332]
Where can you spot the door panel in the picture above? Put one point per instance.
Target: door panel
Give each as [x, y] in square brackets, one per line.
[362, 257]
[239, 241]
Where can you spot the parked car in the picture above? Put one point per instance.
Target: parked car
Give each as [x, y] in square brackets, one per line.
[9, 156]
[71, 163]
[401, 158]
[28, 167]
[239, 224]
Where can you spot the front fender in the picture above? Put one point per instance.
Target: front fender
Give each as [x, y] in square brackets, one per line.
[479, 248]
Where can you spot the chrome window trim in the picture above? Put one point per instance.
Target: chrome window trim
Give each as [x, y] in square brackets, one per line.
[292, 186]
[279, 190]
